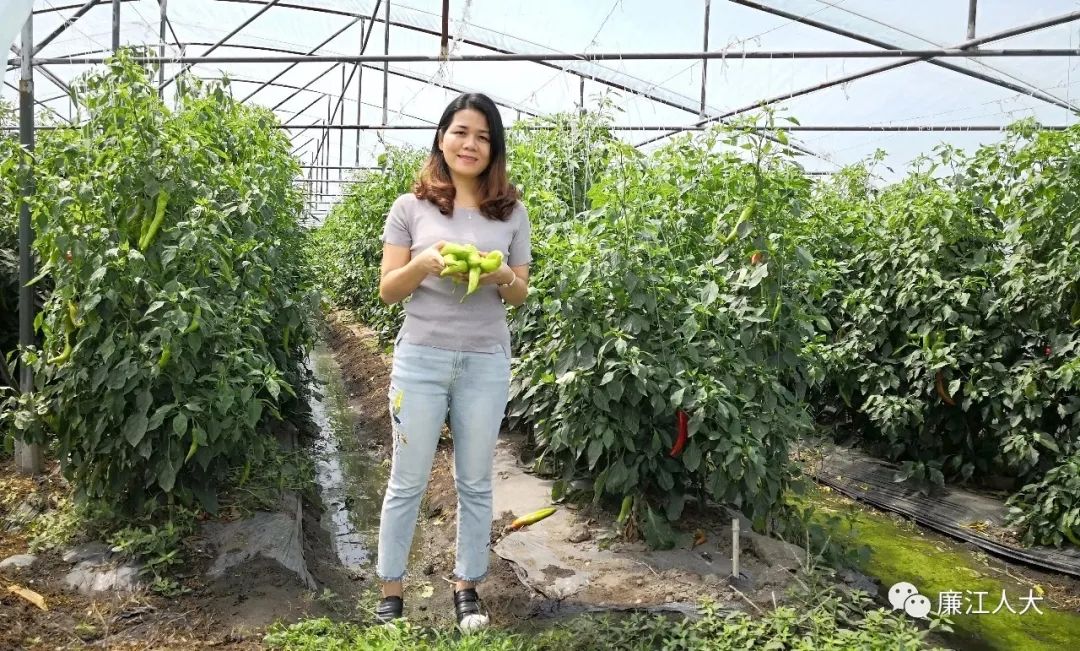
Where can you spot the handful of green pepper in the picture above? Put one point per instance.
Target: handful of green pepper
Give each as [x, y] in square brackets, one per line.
[467, 259]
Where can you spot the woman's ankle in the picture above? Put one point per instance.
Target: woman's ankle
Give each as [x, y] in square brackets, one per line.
[391, 589]
[463, 585]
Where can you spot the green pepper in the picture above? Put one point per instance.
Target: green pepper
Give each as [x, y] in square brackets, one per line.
[194, 325]
[624, 512]
[73, 314]
[159, 217]
[492, 262]
[474, 280]
[166, 353]
[458, 267]
[745, 216]
[66, 354]
[457, 250]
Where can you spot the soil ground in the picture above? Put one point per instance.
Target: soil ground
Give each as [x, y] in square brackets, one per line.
[235, 611]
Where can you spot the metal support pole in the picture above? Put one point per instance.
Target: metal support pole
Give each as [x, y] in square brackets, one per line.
[445, 37]
[116, 25]
[28, 457]
[965, 50]
[341, 134]
[359, 97]
[704, 62]
[326, 138]
[581, 96]
[161, 46]
[386, 64]
[972, 5]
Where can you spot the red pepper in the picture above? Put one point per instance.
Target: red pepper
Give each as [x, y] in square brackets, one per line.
[683, 422]
[1047, 351]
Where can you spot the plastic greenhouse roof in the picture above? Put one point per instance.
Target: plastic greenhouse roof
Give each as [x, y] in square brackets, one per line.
[648, 92]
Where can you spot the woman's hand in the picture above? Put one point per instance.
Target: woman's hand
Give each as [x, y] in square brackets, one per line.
[500, 276]
[430, 260]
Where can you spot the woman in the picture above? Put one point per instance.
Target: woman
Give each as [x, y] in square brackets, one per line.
[451, 354]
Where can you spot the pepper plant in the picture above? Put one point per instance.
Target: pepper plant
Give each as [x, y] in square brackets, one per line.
[178, 320]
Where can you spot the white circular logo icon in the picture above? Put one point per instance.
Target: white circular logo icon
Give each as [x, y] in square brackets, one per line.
[899, 593]
[917, 605]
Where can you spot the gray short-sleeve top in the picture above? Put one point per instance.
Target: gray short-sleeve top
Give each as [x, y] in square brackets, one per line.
[435, 314]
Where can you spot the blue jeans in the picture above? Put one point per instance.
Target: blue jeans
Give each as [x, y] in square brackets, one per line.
[425, 383]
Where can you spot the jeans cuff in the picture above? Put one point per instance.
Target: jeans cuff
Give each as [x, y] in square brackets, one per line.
[390, 579]
[460, 577]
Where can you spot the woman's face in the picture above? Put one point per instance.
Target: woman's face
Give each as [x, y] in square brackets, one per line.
[466, 145]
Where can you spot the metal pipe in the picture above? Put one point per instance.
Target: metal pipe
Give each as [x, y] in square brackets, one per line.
[48, 75]
[163, 9]
[301, 111]
[386, 61]
[305, 57]
[359, 98]
[1046, 97]
[872, 71]
[598, 76]
[55, 8]
[86, 6]
[792, 128]
[593, 56]
[324, 144]
[971, 19]
[299, 89]
[849, 128]
[28, 456]
[172, 31]
[444, 48]
[115, 25]
[393, 71]
[343, 167]
[223, 40]
[299, 147]
[704, 62]
[341, 134]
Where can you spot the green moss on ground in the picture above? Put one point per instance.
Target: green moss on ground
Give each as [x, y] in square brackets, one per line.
[900, 554]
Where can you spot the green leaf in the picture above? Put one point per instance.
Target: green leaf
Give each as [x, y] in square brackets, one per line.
[135, 429]
[757, 275]
[692, 456]
[596, 448]
[180, 424]
[709, 293]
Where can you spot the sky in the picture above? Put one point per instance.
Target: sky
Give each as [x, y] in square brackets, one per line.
[916, 94]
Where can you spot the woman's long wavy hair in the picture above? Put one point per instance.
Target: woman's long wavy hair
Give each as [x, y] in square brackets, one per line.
[497, 196]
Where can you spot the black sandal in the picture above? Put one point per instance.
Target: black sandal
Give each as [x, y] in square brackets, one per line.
[467, 606]
[389, 609]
